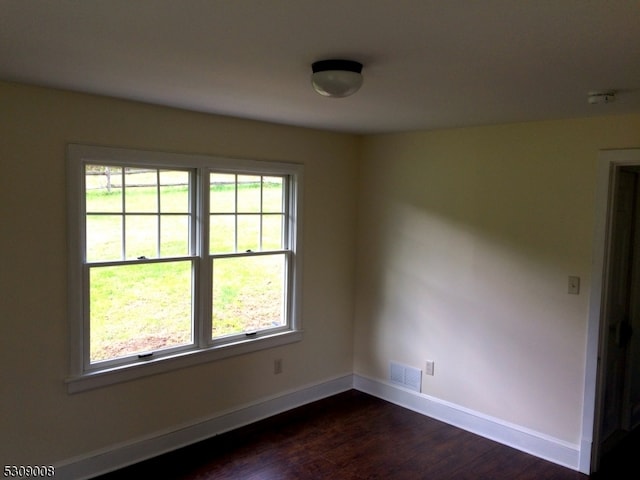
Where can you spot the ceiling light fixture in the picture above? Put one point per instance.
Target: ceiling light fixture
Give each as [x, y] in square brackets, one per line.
[336, 78]
[605, 96]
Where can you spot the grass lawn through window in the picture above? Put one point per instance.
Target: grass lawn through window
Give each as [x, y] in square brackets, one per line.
[143, 307]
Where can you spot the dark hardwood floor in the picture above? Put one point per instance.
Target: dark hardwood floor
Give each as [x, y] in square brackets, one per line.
[353, 436]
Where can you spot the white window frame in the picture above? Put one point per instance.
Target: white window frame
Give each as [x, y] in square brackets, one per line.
[83, 374]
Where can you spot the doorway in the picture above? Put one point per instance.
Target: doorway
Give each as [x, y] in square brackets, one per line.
[613, 351]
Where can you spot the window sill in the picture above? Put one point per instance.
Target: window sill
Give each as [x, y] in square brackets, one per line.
[102, 378]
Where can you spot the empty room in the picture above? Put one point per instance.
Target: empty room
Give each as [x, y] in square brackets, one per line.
[356, 219]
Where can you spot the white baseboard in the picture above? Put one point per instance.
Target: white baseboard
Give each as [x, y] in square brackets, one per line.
[585, 456]
[137, 450]
[520, 438]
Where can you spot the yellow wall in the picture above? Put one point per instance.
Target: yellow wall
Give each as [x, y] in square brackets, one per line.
[458, 242]
[466, 241]
[40, 423]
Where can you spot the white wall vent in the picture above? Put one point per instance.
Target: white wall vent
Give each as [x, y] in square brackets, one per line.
[406, 376]
[397, 373]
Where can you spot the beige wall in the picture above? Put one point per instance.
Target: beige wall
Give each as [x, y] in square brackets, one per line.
[466, 240]
[40, 423]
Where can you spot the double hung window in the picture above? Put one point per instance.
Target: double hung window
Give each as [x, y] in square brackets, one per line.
[173, 255]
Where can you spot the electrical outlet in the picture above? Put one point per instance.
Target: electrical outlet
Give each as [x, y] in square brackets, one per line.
[429, 367]
[574, 285]
[277, 366]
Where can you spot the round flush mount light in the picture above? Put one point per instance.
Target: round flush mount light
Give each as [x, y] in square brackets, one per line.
[336, 78]
[601, 96]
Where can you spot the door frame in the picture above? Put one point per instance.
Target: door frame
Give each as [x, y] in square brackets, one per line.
[608, 163]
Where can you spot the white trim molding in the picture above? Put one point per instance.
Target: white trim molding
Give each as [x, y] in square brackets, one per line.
[608, 161]
[515, 436]
[140, 449]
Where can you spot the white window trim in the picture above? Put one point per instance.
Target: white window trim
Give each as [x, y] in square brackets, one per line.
[82, 378]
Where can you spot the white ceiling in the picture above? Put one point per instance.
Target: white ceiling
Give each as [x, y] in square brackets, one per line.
[427, 63]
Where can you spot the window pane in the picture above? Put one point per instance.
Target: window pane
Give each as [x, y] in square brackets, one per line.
[139, 308]
[222, 193]
[103, 188]
[248, 294]
[272, 232]
[174, 191]
[248, 193]
[141, 193]
[248, 232]
[222, 234]
[272, 194]
[174, 235]
[104, 237]
[141, 236]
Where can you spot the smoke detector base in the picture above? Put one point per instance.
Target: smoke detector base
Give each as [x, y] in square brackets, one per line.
[601, 97]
